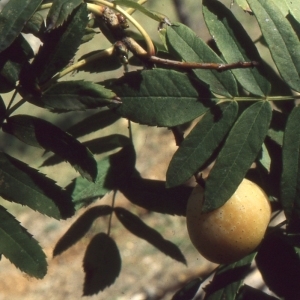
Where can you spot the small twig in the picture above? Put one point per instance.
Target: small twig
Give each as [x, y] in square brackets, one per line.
[210, 66]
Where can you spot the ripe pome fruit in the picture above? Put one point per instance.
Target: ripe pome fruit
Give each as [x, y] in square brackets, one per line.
[232, 231]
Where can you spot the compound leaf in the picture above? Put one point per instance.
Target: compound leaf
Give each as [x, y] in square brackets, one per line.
[238, 153]
[199, 145]
[25, 185]
[186, 45]
[13, 17]
[235, 45]
[17, 245]
[161, 97]
[42, 134]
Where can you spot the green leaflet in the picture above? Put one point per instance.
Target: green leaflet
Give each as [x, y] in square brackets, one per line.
[137, 227]
[17, 245]
[42, 134]
[13, 17]
[74, 95]
[281, 39]
[290, 178]
[238, 153]
[199, 145]
[25, 185]
[235, 45]
[60, 45]
[228, 279]
[265, 159]
[161, 97]
[186, 45]
[189, 291]
[60, 11]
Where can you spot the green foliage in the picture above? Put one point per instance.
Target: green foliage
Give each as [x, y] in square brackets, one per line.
[243, 117]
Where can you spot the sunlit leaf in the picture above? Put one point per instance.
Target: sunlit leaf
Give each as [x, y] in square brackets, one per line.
[199, 145]
[161, 97]
[239, 152]
[293, 8]
[101, 264]
[186, 45]
[17, 245]
[42, 134]
[137, 227]
[25, 185]
[265, 159]
[13, 17]
[235, 45]
[74, 95]
[281, 39]
[243, 4]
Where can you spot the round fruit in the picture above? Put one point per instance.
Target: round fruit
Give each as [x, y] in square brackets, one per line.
[232, 231]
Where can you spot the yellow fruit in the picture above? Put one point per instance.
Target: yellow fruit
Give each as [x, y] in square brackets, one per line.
[232, 231]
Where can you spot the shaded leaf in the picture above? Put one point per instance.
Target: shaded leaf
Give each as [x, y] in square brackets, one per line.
[235, 45]
[228, 279]
[240, 150]
[96, 146]
[80, 227]
[13, 17]
[60, 11]
[25, 185]
[74, 95]
[93, 123]
[199, 145]
[137, 227]
[188, 291]
[154, 97]
[279, 266]
[42, 134]
[249, 293]
[113, 171]
[290, 177]
[186, 45]
[153, 195]
[17, 245]
[101, 264]
[60, 46]
[281, 39]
